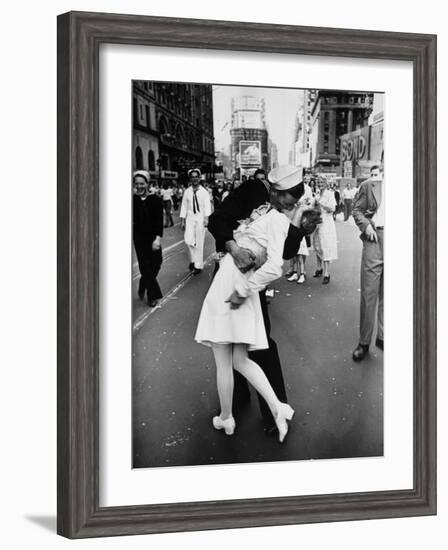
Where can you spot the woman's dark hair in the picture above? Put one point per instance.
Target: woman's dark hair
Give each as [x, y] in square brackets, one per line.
[311, 219]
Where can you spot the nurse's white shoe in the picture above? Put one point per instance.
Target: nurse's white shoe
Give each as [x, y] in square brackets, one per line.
[284, 413]
[227, 425]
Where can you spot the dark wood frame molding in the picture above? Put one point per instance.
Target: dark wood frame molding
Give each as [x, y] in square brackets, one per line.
[79, 38]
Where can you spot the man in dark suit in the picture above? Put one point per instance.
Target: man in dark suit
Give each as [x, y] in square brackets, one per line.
[237, 206]
[147, 231]
[368, 213]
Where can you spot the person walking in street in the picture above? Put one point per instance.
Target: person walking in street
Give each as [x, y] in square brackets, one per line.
[218, 192]
[194, 214]
[337, 197]
[227, 190]
[231, 319]
[368, 212]
[167, 198]
[237, 206]
[179, 192]
[147, 218]
[348, 194]
[175, 197]
[296, 272]
[324, 238]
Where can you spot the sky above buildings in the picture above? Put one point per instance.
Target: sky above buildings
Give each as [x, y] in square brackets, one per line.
[281, 109]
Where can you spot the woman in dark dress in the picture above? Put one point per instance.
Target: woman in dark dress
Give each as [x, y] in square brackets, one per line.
[147, 218]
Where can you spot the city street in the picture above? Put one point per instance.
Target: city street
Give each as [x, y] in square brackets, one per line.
[338, 403]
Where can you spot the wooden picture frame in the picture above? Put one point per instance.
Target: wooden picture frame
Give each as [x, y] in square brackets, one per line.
[79, 38]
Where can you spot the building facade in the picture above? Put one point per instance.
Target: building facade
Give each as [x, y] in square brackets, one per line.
[273, 155]
[363, 148]
[172, 129]
[224, 165]
[333, 114]
[301, 149]
[249, 136]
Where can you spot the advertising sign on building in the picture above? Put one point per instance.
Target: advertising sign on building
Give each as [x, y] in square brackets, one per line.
[377, 144]
[250, 153]
[348, 169]
[168, 174]
[356, 145]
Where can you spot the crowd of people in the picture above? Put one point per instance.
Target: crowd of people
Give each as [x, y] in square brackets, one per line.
[257, 225]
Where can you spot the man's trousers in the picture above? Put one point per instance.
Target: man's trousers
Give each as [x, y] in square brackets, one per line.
[372, 275]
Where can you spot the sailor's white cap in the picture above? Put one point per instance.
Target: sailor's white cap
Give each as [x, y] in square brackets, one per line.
[285, 177]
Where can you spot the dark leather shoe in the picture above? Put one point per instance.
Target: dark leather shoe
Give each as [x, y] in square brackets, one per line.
[318, 273]
[360, 352]
[379, 343]
[326, 280]
[191, 266]
[196, 271]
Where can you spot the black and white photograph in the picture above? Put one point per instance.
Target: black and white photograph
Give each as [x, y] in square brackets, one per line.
[257, 275]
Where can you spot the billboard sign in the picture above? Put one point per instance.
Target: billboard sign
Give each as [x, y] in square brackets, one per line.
[250, 153]
[168, 174]
[348, 169]
[356, 145]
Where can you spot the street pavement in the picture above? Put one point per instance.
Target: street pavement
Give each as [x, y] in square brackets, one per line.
[338, 403]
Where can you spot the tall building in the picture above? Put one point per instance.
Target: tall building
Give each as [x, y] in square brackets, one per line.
[224, 165]
[376, 122]
[273, 154]
[363, 148]
[173, 129]
[249, 135]
[333, 114]
[301, 150]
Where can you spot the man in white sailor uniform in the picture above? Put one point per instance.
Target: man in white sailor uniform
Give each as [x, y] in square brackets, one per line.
[194, 213]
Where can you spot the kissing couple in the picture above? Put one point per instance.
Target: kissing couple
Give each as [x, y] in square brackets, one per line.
[231, 321]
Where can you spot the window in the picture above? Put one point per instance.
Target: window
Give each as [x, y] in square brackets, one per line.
[326, 121]
[135, 110]
[151, 160]
[139, 159]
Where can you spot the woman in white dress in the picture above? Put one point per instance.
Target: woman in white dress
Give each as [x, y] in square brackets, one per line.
[231, 320]
[324, 238]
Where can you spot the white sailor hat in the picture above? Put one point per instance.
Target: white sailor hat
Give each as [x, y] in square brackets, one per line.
[194, 170]
[142, 173]
[285, 177]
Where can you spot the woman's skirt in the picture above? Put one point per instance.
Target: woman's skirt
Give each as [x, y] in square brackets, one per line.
[325, 239]
[218, 324]
[303, 249]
